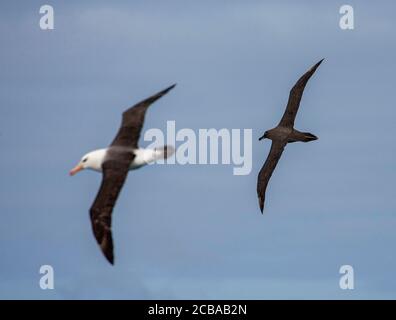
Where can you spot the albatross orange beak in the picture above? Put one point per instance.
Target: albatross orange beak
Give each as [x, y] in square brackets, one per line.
[78, 168]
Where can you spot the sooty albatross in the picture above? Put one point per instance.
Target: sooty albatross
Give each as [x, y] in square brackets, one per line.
[283, 134]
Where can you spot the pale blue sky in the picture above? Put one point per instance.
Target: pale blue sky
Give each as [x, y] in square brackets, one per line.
[196, 231]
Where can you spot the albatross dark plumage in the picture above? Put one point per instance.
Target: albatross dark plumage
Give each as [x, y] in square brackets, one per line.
[115, 162]
[283, 134]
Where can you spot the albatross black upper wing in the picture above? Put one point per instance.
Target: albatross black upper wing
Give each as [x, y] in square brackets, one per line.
[295, 97]
[267, 170]
[133, 119]
[114, 175]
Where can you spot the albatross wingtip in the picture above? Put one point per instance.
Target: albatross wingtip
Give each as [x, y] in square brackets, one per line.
[110, 259]
[170, 88]
[261, 205]
[164, 92]
[318, 64]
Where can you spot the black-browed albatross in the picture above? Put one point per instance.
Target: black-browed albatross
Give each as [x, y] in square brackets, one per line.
[114, 162]
[283, 134]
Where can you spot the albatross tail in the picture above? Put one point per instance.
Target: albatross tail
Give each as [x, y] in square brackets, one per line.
[309, 137]
[302, 136]
[163, 152]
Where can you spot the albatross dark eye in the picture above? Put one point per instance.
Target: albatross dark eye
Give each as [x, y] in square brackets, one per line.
[85, 160]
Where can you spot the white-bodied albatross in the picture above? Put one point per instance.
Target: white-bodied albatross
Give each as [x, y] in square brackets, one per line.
[114, 162]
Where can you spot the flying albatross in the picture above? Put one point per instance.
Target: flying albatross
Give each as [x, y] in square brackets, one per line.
[283, 134]
[114, 162]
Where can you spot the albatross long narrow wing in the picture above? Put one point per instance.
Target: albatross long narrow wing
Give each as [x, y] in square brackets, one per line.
[267, 170]
[133, 119]
[114, 176]
[295, 97]
[115, 170]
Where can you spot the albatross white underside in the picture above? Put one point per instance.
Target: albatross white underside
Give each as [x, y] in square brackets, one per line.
[95, 159]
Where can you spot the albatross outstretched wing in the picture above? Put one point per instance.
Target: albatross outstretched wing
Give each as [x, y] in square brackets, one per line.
[115, 172]
[267, 170]
[295, 97]
[133, 119]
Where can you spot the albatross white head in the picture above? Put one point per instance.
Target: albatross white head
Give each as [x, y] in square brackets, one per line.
[92, 160]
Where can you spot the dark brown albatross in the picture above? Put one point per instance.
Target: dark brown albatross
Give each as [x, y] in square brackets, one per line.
[114, 162]
[283, 134]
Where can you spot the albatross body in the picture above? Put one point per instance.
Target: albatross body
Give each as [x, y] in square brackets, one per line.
[95, 159]
[115, 162]
[283, 134]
